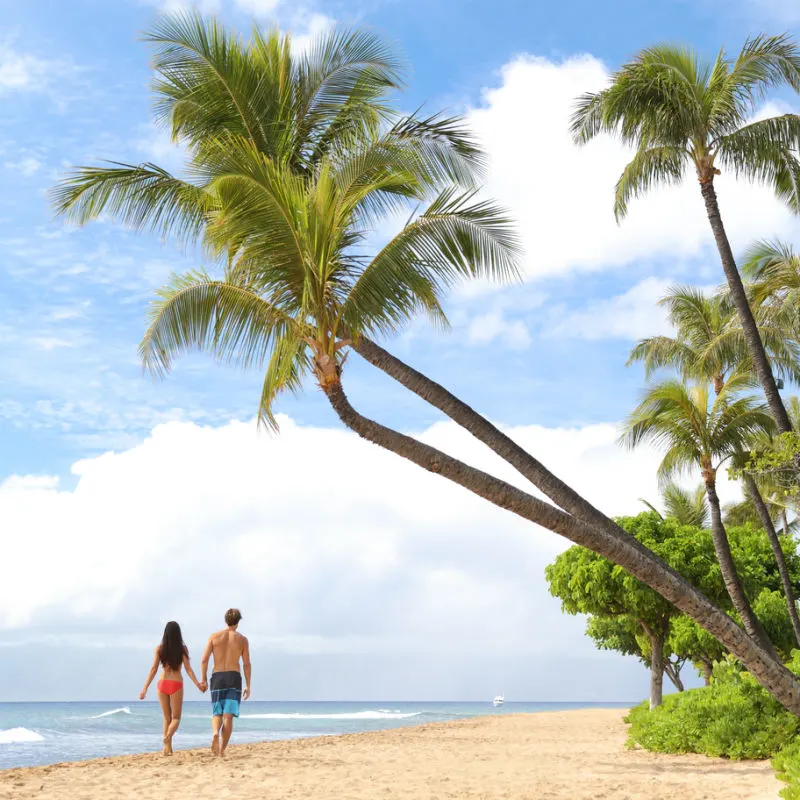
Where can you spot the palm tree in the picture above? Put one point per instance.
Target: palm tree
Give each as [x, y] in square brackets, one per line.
[773, 269]
[678, 111]
[709, 346]
[688, 507]
[698, 431]
[742, 512]
[709, 343]
[282, 193]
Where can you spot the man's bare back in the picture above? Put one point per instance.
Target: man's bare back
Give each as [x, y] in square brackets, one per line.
[227, 647]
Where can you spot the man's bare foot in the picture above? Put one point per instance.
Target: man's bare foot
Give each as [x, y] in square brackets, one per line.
[215, 745]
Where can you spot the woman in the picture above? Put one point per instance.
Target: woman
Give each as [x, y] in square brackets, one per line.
[172, 654]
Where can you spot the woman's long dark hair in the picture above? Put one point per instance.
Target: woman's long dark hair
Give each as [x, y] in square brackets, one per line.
[172, 649]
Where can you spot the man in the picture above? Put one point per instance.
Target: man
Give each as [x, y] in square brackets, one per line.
[228, 647]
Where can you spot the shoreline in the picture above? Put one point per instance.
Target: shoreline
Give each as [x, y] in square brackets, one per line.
[575, 755]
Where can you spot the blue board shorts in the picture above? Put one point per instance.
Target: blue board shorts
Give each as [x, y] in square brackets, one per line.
[226, 693]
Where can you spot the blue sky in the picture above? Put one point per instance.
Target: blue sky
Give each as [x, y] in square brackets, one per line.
[549, 353]
[73, 301]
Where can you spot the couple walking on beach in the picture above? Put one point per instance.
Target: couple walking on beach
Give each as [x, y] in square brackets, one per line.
[228, 648]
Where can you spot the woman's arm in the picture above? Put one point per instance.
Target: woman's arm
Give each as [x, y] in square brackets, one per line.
[151, 674]
[190, 672]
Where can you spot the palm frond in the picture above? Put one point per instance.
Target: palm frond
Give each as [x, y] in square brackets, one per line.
[764, 152]
[206, 80]
[143, 197]
[457, 237]
[289, 364]
[193, 312]
[765, 62]
[648, 168]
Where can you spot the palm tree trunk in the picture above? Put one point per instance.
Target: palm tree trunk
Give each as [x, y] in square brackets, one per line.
[620, 548]
[777, 550]
[730, 576]
[746, 318]
[504, 446]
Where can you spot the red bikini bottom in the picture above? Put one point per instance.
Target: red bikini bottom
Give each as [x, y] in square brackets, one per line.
[169, 687]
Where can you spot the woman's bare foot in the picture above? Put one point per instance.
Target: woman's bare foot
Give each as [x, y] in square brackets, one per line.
[167, 745]
[215, 744]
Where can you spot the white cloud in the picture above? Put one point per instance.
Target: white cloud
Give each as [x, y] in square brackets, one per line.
[487, 328]
[562, 196]
[21, 71]
[306, 27]
[26, 166]
[170, 6]
[258, 8]
[634, 314]
[155, 145]
[50, 342]
[317, 535]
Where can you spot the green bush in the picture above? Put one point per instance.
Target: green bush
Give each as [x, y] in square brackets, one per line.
[733, 717]
[787, 766]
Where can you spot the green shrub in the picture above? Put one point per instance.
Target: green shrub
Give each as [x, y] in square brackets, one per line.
[787, 766]
[733, 717]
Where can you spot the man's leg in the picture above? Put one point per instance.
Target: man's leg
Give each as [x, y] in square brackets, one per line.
[216, 724]
[227, 730]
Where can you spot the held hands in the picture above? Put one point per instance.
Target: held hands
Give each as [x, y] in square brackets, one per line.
[203, 686]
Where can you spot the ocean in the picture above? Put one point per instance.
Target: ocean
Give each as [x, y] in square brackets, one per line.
[46, 733]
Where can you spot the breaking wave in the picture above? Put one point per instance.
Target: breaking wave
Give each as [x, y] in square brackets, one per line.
[124, 710]
[17, 735]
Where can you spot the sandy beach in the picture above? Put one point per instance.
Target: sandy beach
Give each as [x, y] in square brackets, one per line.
[570, 754]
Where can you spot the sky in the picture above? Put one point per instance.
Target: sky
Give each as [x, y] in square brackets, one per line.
[126, 502]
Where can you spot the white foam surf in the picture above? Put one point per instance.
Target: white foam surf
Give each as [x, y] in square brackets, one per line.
[124, 710]
[19, 735]
[352, 715]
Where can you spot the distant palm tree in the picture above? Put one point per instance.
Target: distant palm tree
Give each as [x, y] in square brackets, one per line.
[698, 431]
[744, 512]
[687, 506]
[709, 346]
[680, 111]
[773, 269]
[709, 342]
[292, 160]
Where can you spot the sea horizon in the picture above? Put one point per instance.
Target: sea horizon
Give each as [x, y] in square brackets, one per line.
[37, 733]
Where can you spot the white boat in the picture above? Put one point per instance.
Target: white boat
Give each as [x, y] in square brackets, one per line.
[498, 700]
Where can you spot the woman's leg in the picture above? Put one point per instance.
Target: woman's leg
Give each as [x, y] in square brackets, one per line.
[176, 706]
[166, 710]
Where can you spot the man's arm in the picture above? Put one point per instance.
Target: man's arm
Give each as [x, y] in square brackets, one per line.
[204, 663]
[246, 665]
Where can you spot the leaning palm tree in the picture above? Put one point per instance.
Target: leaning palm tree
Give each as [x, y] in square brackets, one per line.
[283, 212]
[699, 431]
[679, 111]
[709, 341]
